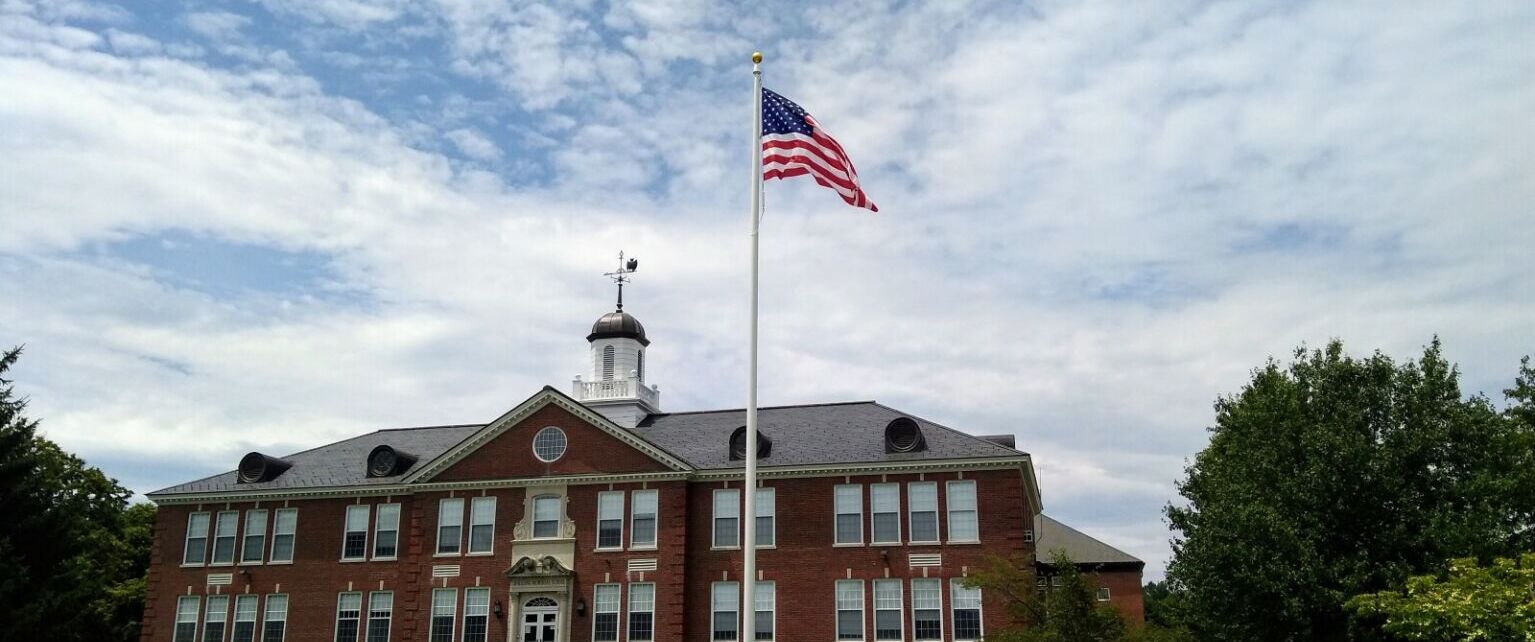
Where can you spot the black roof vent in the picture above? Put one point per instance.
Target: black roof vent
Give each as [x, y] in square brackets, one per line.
[256, 467]
[902, 435]
[1001, 440]
[738, 444]
[385, 461]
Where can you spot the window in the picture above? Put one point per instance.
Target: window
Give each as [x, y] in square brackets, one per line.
[605, 613]
[275, 627]
[386, 532]
[849, 514]
[546, 516]
[888, 607]
[245, 619]
[642, 612]
[607, 363]
[643, 529]
[215, 618]
[186, 619]
[927, 609]
[962, 522]
[922, 501]
[766, 597]
[444, 602]
[348, 616]
[224, 537]
[255, 537]
[610, 519]
[1028, 537]
[476, 614]
[1103, 594]
[380, 610]
[354, 544]
[549, 444]
[766, 509]
[849, 609]
[196, 551]
[725, 601]
[450, 526]
[284, 527]
[727, 518]
[885, 500]
[966, 603]
[482, 524]
[640, 359]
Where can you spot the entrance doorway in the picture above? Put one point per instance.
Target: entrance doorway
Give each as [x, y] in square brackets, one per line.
[540, 619]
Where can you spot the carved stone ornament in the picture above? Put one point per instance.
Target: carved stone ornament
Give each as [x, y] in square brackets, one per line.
[538, 567]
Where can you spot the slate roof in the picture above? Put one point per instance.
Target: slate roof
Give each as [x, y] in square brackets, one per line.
[835, 433]
[1051, 535]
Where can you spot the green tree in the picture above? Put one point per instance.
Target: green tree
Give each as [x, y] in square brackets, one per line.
[1470, 603]
[72, 554]
[1336, 476]
[1068, 611]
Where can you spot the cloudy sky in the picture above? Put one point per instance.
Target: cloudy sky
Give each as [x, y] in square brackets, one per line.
[228, 226]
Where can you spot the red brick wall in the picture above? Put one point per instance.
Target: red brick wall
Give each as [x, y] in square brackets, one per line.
[1124, 594]
[510, 454]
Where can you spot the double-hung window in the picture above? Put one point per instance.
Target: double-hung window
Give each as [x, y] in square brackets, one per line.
[849, 526]
[888, 608]
[725, 600]
[962, 516]
[482, 525]
[927, 610]
[605, 613]
[727, 518]
[642, 528]
[354, 545]
[386, 532]
[224, 537]
[966, 602]
[476, 614]
[922, 501]
[284, 529]
[1103, 594]
[380, 612]
[450, 526]
[186, 619]
[849, 609]
[245, 619]
[610, 519]
[766, 597]
[766, 510]
[275, 626]
[215, 618]
[444, 606]
[254, 543]
[642, 612]
[885, 509]
[196, 551]
[348, 616]
[546, 516]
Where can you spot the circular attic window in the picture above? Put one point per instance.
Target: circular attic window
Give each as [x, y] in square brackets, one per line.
[549, 444]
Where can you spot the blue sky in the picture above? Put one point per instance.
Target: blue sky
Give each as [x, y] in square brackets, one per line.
[269, 224]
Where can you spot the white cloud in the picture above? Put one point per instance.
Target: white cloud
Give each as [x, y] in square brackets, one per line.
[221, 27]
[474, 145]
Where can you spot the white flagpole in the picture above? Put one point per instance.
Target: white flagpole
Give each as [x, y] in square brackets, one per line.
[749, 483]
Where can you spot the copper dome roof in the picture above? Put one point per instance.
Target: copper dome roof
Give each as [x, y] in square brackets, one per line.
[618, 325]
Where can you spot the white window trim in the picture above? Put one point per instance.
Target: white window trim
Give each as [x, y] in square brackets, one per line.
[213, 540]
[758, 591]
[911, 513]
[266, 614]
[712, 611]
[628, 612]
[469, 532]
[464, 618]
[361, 609]
[272, 545]
[975, 493]
[620, 520]
[245, 533]
[714, 523]
[618, 620]
[197, 617]
[1104, 594]
[186, 544]
[836, 524]
[656, 531]
[234, 618]
[368, 615]
[559, 510]
[756, 506]
[941, 601]
[900, 610]
[208, 610]
[344, 519]
[437, 541]
[863, 613]
[432, 614]
[378, 516]
[898, 530]
[980, 612]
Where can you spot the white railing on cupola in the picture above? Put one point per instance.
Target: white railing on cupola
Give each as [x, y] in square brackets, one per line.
[616, 390]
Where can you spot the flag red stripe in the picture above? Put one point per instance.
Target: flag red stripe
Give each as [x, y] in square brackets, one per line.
[801, 160]
[835, 161]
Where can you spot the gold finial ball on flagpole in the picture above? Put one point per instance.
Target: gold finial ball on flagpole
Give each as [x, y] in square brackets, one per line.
[756, 57]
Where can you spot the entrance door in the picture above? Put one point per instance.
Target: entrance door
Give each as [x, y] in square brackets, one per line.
[540, 620]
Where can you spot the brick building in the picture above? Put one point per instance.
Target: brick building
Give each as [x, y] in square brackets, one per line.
[596, 517]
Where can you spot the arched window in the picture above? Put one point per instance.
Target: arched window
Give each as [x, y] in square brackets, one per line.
[642, 365]
[607, 363]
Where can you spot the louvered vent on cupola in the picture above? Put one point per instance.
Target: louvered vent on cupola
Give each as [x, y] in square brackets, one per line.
[738, 444]
[256, 467]
[903, 435]
[385, 461]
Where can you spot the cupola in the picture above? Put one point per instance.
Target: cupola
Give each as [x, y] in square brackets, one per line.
[614, 384]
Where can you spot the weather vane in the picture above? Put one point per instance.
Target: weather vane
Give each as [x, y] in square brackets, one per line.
[621, 276]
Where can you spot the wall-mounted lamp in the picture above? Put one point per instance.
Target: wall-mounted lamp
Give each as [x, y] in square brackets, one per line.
[580, 607]
[498, 609]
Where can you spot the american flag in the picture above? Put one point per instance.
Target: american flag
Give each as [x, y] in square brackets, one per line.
[794, 144]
